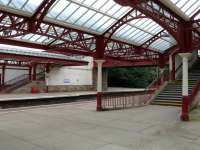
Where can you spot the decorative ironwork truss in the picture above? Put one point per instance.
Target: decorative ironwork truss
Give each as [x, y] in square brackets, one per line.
[186, 33]
[68, 40]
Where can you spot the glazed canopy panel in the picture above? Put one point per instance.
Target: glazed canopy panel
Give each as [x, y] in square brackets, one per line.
[76, 25]
[96, 16]
[24, 5]
[99, 15]
[189, 7]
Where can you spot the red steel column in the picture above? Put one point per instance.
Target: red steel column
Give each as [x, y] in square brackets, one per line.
[185, 45]
[99, 84]
[99, 59]
[30, 73]
[34, 72]
[3, 74]
[161, 66]
[173, 67]
[185, 93]
[0, 80]
[47, 77]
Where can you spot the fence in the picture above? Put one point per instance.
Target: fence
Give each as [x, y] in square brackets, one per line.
[112, 100]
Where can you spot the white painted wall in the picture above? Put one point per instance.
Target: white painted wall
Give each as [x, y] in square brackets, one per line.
[73, 75]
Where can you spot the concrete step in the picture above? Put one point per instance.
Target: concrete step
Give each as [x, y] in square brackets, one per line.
[166, 104]
[180, 100]
[180, 85]
[175, 88]
[172, 94]
[169, 98]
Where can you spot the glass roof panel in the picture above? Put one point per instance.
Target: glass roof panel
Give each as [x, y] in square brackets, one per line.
[98, 16]
[58, 8]
[189, 7]
[25, 5]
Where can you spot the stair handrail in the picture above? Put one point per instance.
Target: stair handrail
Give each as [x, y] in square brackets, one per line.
[194, 92]
[157, 82]
[155, 85]
[17, 79]
[21, 80]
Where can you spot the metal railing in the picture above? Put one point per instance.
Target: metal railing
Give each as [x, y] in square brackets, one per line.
[122, 100]
[23, 77]
[20, 81]
[195, 91]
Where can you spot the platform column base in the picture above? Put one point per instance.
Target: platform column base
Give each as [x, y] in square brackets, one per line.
[185, 108]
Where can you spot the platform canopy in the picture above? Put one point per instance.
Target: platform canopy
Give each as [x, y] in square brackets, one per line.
[29, 58]
[128, 30]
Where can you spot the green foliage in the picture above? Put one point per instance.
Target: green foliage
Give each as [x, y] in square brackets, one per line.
[131, 77]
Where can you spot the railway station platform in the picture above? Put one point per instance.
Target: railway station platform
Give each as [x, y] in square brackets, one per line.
[20, 100]
[77, 126]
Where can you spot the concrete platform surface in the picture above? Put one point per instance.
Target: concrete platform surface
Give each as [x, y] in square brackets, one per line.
[77, 126]
[10, 97]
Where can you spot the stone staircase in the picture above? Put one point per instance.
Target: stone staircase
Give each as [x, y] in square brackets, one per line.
[171, 95]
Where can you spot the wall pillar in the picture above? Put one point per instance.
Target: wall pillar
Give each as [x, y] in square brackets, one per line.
[99, 84]
[185, 93]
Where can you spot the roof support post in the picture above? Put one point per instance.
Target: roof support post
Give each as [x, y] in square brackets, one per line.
[99, 84]
[185, 37]
[99, 59]
[161, 66]
[30, 73]
[34, 72]
[3, 74]
[47, 69]
[100, 47]
[185, 92]
[173, 74]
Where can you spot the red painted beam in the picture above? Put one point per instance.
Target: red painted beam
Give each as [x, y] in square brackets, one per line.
[39, 15]
[67, 51]
[40, 60]
[153, 39]
[22, 44]
[157, 11]
[77, 44]
[110, 63]
[128, 17]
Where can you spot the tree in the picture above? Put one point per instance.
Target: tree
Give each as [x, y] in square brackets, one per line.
[131, 77]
